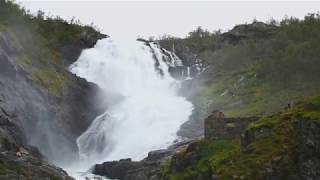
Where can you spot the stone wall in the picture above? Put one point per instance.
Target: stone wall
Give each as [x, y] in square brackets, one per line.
[217, 126]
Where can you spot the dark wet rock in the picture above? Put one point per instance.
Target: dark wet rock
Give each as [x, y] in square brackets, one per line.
[179, 72]
[126, 169]
[194, 127]
[71, 52]
[146, 169]
[118, 169]
[18, 160]
[177, 68]
[247, 138]
[16, 166]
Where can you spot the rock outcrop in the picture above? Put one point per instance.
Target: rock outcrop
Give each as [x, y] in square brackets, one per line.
[43, 107]
[71, 52]
[299, 156]
[19, 160]
[54, 113]
[146, 169]
[246, 31]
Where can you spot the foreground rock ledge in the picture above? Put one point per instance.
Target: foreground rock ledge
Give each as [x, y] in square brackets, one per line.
[147, 169]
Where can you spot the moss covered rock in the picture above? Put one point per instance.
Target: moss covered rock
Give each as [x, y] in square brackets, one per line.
[285, 145]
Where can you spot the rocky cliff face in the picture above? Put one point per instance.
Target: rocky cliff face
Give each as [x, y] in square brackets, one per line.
[46, 117]
[18, 160]
[44, 105]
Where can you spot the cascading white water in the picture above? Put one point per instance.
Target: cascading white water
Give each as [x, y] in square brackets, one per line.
[149, 113]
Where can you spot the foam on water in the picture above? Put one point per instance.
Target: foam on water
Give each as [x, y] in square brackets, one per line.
[149, 113]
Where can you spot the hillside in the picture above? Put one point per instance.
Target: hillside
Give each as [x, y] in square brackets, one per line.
[284, 145]
[266, 70]
[252, 70]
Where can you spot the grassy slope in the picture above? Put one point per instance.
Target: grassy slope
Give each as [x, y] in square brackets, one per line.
[258, 75]
[268, 68]
[275, 146]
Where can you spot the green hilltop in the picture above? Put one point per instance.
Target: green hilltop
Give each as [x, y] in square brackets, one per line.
[267, 70]
[256, 68]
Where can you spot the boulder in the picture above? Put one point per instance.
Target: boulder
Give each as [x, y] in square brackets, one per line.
[146, 169]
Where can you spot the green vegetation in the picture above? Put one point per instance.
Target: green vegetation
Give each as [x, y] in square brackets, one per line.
[257, 68]
[25, 170]
[12, 168]
[50, 79]
[209, 155]
[51, 31]
[40, 38]
[277, 149]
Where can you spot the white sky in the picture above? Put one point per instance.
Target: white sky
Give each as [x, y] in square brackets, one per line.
[153, 18]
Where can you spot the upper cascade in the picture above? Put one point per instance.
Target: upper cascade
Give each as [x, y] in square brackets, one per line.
[177, 68]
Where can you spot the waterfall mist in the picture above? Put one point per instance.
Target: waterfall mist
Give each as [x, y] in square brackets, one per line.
[144, 111]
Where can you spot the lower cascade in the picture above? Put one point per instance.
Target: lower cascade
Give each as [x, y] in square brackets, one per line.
[144, 111]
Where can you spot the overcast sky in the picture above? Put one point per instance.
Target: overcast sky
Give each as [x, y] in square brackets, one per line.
[131, 19]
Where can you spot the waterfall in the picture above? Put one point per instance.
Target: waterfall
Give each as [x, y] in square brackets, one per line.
[148, 112]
